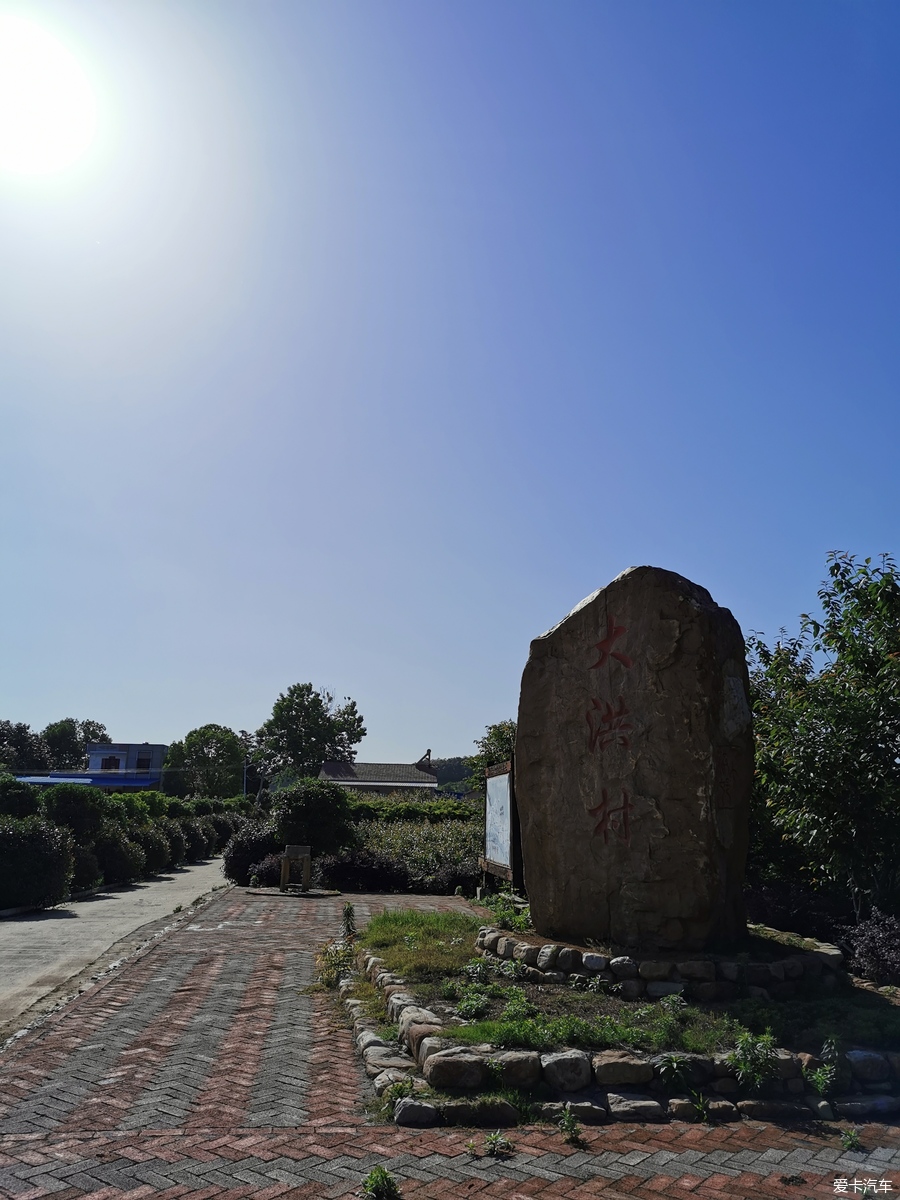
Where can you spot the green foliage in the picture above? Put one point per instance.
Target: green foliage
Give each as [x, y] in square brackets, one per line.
[249, 844]
[86, 873]
[67, 741]
[121, 860]
[380, 1184]
[429, 854]
[701, 1107]
[827, 718]
[518, 1007]
[421, 946]
[645, 1027]
[497, 1145]
[452, 772]
[195, 839]
[36, 863]
[348, 922]
[82, 809]
[473, 1003]
[496, 746]
[155, 845]
[858, 1016]
[671, 1071]
[307, 728]
[388, 808]
[208, 762]
[22, 751]
[334, 961]
[850, 1139]
[507, 913]
[314, 812]
[569, 1127]
[18, 799]
[753, 1058]
[174, 835]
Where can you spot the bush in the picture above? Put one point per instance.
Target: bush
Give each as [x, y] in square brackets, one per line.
[156, 803]
[18, 799]
[155, 845]
[387, 808]
[315, 813]
[36, 863]
[121, 860]
[82, 809]
[87, 873]
[248, 846]
[267, 872]
[876, 948]
[793, 908]
[174, 835]
[195, 838]
[224, 825]
[128, 808]
[363, 870]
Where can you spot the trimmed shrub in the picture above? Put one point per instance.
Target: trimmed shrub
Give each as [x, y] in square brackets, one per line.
[876, 948]
[209, 832]
[249, 845]
[36, 862]
[156, 803]
[87, 873]
[267, 873]
[179, 808]
[195, 838]
[377, 808]
[315, 813]
[82, 809]
[121, 860]
[224, 825]
[155, 845]
[364, 870]
[177, 841]
[18, 799]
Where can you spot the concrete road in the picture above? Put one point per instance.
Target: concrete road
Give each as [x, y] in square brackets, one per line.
[45, 956]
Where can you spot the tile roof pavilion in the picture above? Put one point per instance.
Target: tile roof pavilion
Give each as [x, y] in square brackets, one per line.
[386, 777]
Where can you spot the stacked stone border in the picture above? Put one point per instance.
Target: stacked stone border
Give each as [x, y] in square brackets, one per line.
[606, 1085]
[705, 979]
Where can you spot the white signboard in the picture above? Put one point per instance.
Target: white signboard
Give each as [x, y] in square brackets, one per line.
[498, 825]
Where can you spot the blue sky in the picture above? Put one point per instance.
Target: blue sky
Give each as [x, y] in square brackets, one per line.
[370, 337]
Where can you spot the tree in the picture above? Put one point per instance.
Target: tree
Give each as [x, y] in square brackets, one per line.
[22, 750]
[497, 746]
[208, 762]
[67, 741]
[827, 720]
[307, 728]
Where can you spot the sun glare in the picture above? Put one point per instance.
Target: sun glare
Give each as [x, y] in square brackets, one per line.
[48, 114]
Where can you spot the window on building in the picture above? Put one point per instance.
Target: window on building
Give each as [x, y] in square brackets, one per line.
[143, 762]
[109, 764]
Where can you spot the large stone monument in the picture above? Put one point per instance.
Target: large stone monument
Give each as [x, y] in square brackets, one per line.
[634, 764]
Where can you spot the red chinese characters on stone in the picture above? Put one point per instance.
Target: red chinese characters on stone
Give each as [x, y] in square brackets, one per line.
[613, 819]
[608, 726]
[605, 646]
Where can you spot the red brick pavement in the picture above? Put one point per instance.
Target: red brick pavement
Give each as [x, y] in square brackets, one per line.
[337, 1129]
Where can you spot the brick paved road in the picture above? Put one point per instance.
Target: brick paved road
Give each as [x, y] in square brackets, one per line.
[202, 1070]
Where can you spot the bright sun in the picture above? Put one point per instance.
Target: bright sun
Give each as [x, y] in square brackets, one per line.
[48, 114]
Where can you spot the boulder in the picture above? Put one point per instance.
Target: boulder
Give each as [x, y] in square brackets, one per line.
[378, 1059]
[630, 1106]
[759, 1109]
[524, 952]
[547, 957]
[429, 1046]
[681, 1108]
[416, 1035]
[631, 989]
[494, 1113]
[861, 1107]
[453, 1069]
[566, 1070]
[519, 1068]
[655, 991]
[506, 947]
[555, 977]
[655, 971]
[699, 969]
[634, 767]
[415, 1113]
[413, 1015]
[490, 941]
[588, 1112]
[594, 962]
[613, 1067]
[386, 1078]
[821, 1108]
[623, 967]
[568, 959]
[867, 1066]
[721, 1109]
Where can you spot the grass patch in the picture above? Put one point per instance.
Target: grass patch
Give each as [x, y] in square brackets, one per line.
[617, 1023]
[374, 1006]
[421, 946]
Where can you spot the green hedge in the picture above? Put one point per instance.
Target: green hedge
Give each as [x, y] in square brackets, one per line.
[36, 863]
[377, 808]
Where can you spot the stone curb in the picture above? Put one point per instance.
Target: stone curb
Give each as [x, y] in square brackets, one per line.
[607, 1085]
[700, 978]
